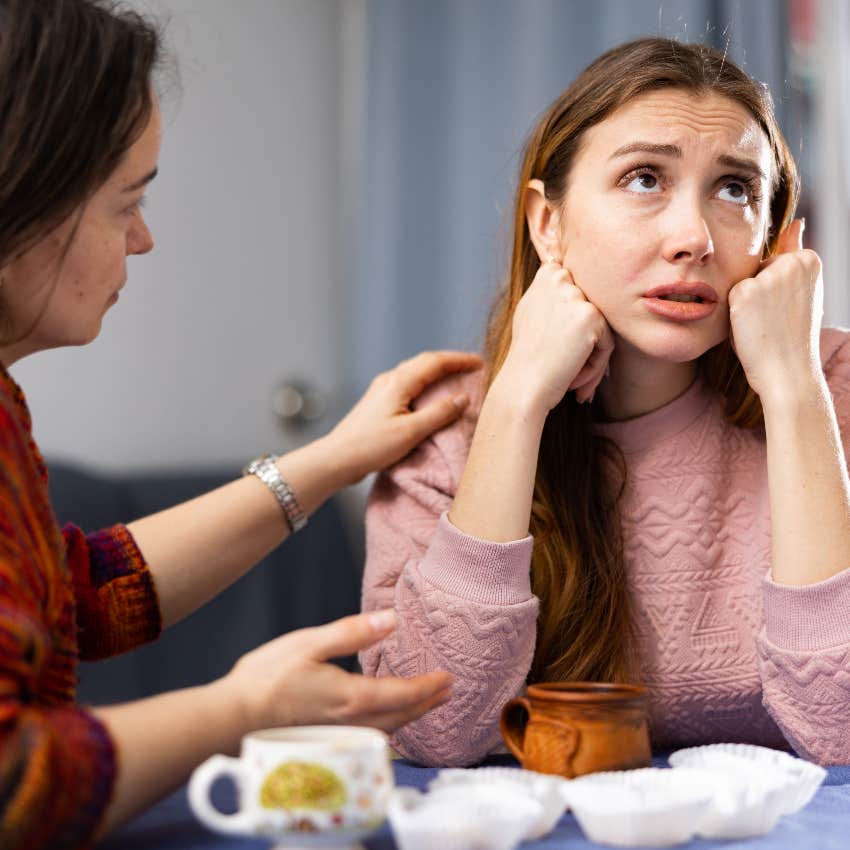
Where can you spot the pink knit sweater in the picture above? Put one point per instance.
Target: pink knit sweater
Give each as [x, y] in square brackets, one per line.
[727, 654]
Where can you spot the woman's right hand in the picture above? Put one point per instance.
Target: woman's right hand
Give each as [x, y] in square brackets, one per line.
[289, 682]
[560, 341]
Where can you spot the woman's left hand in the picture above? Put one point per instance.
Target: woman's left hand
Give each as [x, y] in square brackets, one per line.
[381, 428]
[776, 317]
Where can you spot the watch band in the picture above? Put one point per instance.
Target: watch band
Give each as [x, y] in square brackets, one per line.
[265, 468]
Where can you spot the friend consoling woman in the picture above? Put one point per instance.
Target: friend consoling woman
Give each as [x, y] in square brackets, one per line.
[79, 142]
[650, 484]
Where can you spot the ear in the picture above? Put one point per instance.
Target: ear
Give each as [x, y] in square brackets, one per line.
[543, 222]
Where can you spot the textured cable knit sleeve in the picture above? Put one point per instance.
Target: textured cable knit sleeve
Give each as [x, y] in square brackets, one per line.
[464, 604]
[804, 647]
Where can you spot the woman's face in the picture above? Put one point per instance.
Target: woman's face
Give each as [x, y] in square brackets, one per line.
[71, 295]
[667, 201]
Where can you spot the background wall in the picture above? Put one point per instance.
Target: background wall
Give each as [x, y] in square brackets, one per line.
[335, 193]
[244, 287]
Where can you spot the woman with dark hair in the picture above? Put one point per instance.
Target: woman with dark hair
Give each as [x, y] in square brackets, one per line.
[650, 483]
[79, 142]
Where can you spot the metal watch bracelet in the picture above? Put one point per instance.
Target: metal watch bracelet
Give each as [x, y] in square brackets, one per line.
[265, 468]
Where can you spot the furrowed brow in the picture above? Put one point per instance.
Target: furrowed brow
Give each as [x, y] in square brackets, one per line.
[742, 165]
[648, 147]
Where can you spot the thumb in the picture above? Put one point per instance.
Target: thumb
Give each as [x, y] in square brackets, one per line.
[791, 239]
[350, 634]
[436, 415]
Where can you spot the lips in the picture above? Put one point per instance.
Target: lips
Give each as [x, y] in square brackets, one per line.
[682, 301]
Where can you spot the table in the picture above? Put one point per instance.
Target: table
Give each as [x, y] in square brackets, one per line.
[824, 824]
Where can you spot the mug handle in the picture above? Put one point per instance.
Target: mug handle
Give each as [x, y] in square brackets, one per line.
[509, 724]
[199, 795]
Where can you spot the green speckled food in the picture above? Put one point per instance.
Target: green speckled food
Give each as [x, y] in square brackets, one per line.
[302, 785]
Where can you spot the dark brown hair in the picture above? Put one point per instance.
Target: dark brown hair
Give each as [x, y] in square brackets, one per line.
[75, 93]
[578, 570]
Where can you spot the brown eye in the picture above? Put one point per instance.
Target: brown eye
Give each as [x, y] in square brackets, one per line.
[641, 183]
[735, 192]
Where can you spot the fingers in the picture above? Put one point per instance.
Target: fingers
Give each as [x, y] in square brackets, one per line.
[554, 269]
[594, 370]
[391, 721]
[391, 701]
[423, 422]
[429, 366]
[348, 635]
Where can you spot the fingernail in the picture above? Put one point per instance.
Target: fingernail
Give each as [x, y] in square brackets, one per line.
[461, 401]
[382, 621]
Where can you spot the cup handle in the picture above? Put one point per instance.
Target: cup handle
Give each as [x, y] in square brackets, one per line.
[199, 795]
[510, 725]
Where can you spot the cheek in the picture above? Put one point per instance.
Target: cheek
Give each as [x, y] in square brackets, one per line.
[93, 263]
[603, 255]
[741, 249]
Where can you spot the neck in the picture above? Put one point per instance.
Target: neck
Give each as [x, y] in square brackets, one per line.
[10, 354]
[639, 384]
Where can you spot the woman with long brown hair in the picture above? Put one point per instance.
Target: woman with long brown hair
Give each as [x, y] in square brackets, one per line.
[79, 142]
[650, 485]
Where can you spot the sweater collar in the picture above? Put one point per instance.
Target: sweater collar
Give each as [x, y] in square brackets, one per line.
[650, 429]
[10, 385]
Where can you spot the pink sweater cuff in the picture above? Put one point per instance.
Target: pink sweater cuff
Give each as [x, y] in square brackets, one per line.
[809, 618]
[478, 570]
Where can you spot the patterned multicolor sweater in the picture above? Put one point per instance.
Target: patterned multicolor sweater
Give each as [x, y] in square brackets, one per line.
[63, 596]
[727, 654]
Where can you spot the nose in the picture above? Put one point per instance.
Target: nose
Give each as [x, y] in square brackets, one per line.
[139, 239]
[688, 237]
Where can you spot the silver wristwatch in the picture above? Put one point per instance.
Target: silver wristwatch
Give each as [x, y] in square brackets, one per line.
[265, 468]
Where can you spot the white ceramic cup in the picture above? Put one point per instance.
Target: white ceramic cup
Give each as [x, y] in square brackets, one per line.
[300, 780]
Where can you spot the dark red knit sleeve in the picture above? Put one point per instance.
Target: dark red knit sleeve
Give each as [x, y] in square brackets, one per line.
[57, 768]
[57, 761]
[117, 605]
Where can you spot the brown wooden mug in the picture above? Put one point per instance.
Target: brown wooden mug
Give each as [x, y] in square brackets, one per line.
[573, 728]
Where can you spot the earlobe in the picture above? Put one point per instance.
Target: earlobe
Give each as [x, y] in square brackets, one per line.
[542, 221]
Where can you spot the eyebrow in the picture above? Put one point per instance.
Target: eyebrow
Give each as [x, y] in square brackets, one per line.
[141, 182]
[675, 151]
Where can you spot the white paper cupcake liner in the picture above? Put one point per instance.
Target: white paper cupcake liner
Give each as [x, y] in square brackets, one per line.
[471, 817]
[549, 791]
[650, 807]
[798, 779]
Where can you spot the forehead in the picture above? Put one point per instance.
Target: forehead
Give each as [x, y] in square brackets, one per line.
[143, 154]
[708, 123]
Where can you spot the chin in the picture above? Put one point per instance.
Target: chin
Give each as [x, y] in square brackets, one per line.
[677, 344]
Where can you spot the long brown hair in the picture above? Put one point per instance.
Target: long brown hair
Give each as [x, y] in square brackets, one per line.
[75, 93]
[578, 570]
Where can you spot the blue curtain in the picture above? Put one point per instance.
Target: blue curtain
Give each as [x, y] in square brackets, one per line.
[452, 87]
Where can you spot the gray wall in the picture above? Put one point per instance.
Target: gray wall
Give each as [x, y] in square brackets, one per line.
[243, 288]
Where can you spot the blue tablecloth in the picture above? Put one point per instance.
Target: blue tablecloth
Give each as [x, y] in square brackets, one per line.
[823, 825]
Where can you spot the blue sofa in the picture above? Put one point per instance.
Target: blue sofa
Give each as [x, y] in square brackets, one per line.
[312, 578]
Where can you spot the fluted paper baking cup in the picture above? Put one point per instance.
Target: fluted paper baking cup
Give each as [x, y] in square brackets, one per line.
[549, 791]
[799, 779]
[650, 807]
[470, 817]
